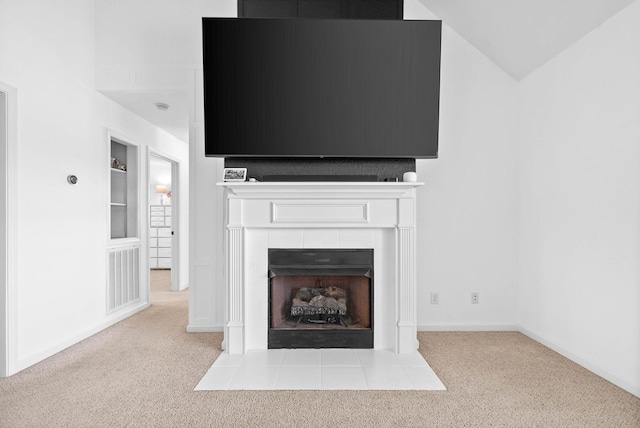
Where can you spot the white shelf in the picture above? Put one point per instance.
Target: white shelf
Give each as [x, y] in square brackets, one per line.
[118, 170]
[117, 204]
[319, 189]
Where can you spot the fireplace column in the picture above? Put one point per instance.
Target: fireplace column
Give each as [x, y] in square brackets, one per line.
[234, 334]
[407, 324]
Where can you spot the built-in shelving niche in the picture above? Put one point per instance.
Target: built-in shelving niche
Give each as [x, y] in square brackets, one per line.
[124, 190]
[123, 249]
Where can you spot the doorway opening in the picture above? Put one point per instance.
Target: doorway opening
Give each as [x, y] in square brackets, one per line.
[163, 243]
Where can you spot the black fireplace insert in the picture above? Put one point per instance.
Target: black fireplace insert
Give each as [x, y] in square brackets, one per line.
[320, 298]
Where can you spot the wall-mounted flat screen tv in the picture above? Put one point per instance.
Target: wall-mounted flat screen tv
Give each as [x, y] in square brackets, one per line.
[321, 88]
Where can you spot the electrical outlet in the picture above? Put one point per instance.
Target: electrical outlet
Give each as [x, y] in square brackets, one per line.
[435, 298]
[475, 298]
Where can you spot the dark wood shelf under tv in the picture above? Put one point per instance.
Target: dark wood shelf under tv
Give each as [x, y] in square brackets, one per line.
[322, 169]
[342, 9]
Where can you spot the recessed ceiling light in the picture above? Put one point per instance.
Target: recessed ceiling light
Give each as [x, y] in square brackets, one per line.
[162, 106]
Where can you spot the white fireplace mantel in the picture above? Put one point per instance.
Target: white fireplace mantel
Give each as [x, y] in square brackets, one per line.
[377, 215]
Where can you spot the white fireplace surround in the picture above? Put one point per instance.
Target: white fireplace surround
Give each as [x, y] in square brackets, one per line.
[373, 215]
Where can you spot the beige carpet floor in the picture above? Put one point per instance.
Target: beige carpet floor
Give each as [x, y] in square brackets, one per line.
[142, 371]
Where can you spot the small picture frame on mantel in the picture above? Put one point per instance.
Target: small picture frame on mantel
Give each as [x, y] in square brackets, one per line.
[234, 174]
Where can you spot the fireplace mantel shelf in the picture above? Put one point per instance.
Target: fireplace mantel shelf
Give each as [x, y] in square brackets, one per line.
[343, 189]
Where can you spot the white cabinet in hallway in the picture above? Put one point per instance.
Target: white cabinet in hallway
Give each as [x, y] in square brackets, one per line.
[160, 237]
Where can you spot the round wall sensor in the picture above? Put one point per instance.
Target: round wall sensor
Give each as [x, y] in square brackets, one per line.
[72, 179]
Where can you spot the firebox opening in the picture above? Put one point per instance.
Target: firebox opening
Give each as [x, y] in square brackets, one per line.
[320, 298]
[320, 302]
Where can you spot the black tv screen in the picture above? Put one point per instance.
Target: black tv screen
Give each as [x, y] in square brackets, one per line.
[321, 88]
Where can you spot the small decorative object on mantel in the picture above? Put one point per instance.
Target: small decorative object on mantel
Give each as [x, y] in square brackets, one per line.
[410, 177]
[115, 164]
[234, 174]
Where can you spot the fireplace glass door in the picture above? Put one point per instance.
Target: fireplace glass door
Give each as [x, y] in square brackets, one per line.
[320, 298]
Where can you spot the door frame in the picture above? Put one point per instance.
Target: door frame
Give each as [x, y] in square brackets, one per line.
[8, 230]
[175, 213]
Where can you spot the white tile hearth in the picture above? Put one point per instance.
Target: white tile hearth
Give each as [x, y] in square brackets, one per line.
[320, 369]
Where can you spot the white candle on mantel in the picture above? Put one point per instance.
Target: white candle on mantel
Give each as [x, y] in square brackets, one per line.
[410, 176]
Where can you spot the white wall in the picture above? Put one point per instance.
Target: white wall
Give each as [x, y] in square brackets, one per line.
[48, 54]
[579, 201]
[467, 209]
[479, 123]
[165, 32]
[164, 53]
[207, 298]
[542, 221]
[467, 215]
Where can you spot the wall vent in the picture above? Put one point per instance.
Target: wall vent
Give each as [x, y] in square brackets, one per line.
[123, 279]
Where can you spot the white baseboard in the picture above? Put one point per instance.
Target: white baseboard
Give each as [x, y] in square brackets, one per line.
[205, 329]
[632, 389]
[468, 327]
[112, 319]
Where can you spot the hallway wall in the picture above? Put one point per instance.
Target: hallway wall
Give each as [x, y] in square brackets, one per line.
[48, 54]
[579, 201]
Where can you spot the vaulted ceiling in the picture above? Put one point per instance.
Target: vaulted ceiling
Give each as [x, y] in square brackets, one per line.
[519, 36]
[522, 35]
